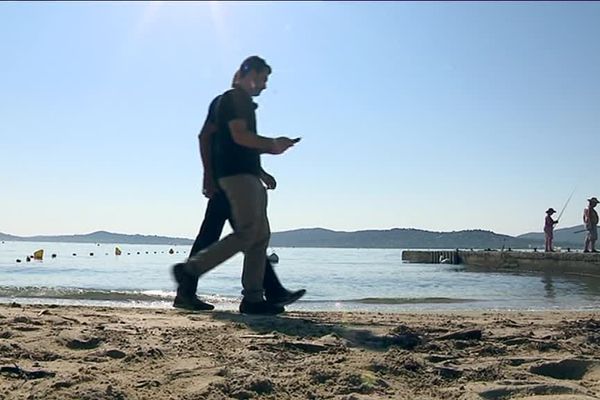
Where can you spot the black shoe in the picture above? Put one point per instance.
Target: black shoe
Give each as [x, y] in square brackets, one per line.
[260, 308]
[286, 297]
[185, 281]
[192, 304]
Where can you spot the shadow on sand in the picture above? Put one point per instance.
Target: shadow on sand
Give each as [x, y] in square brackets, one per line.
[307, 329]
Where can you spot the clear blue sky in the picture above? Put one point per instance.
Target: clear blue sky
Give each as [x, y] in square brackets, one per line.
[438, 116]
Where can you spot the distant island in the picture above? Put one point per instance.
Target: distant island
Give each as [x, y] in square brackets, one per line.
[101, 237]
[396, 238]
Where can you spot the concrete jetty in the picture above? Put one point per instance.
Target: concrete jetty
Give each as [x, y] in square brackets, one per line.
[562, 262]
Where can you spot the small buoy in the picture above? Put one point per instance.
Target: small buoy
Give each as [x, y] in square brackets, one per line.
[138, 252]
[53, 255]
[273, 258]
[171, 251]
[74, 254]
[91, 254]
[18, 260]
[28, 259]
[38, 254]
[117, 251]
[128, 254]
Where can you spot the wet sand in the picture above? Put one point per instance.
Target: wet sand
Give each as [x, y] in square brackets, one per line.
[49, 352]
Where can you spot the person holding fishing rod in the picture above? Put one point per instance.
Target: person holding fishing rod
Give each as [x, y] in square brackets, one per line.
[549, 229]
[549, 224]
[590, 220]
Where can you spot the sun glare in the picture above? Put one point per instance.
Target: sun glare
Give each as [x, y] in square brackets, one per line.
[149, 16]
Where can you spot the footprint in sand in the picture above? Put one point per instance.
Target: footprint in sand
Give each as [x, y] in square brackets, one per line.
[575, 369]
[79, 341]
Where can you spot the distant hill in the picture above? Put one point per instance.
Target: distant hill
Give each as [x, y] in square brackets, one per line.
[101, 237]
[319, 237]
[398, 238]
[4, 236]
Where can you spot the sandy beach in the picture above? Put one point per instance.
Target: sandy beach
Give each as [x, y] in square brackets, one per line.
[60, 352]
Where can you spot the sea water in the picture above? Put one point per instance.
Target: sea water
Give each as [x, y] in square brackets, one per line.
[335, 279]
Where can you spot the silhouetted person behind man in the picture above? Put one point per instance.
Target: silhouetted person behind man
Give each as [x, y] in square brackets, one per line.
[237, 169]
[590, 220]
[217, 212]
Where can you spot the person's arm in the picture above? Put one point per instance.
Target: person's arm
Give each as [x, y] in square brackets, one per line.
[237, 109]
[205, 138]
[242, 136]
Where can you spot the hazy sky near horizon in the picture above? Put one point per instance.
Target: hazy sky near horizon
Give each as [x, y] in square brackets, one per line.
[437, 116]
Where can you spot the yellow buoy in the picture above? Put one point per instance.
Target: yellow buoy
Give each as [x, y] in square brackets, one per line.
[38, 255]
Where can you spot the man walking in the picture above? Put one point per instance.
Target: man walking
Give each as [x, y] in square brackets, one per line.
[238, 172]
[217, 212]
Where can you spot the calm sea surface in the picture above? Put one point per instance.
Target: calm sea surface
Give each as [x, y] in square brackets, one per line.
[336, 279]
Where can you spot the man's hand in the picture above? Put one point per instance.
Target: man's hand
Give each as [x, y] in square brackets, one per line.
[209, 187]
[281, 144]
[268, 180]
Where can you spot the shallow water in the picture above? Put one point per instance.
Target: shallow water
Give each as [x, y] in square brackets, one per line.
[336, 279]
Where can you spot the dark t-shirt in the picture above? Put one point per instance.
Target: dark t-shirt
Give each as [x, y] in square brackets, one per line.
[211, 117]
[229, 158]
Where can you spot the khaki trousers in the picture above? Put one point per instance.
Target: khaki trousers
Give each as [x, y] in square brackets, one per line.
[251, 233]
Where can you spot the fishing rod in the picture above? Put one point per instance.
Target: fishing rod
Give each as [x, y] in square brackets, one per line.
[565, 206]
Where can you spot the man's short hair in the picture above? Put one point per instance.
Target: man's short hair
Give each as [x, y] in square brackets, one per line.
[254, 63]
